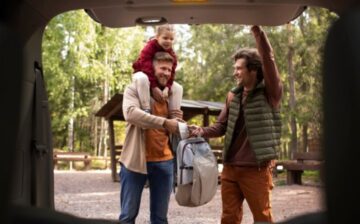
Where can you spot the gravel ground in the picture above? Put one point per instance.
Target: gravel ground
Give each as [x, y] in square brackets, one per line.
[92, 194]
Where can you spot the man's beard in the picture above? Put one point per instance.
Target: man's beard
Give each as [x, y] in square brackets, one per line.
[162, 82]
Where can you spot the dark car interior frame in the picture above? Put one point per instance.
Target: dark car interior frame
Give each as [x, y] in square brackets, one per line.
[27, 192]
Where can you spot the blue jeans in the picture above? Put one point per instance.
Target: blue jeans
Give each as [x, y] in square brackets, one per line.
[160, 176]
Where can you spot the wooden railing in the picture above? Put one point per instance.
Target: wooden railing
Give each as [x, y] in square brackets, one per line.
[72, 157]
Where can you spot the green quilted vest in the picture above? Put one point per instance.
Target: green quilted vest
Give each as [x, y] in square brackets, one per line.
[262, 122]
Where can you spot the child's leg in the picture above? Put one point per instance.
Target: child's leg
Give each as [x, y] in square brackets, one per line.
[175, 98]
[142, 85]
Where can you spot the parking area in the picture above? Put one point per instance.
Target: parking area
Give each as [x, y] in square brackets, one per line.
[92, 194]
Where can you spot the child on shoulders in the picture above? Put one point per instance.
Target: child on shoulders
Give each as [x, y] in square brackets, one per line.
[144, 77]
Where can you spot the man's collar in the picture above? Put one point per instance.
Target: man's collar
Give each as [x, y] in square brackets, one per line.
[238, 89]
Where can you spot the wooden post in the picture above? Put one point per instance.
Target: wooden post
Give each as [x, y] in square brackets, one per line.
[113, 164]
[55, 161]
[206, 118]
[294, 177]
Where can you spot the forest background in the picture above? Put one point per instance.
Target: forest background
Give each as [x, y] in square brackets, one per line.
[85, 64]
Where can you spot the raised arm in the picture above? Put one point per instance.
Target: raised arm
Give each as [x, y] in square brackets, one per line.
[272, 80]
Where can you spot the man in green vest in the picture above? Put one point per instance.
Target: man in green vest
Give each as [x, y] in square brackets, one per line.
[250, 121]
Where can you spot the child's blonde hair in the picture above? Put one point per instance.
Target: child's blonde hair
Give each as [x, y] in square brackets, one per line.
[164, 27]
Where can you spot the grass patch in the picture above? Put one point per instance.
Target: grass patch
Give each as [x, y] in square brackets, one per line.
[99, 164]
[279, 182]
[311, 176]
[311, 173]
[308, 177]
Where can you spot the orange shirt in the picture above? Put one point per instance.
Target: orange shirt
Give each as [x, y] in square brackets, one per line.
[157, 140]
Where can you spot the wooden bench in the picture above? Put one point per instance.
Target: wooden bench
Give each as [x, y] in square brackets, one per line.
[302, 161]
[72, 157]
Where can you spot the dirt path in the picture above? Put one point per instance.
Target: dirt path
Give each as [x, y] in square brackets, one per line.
[92, 194]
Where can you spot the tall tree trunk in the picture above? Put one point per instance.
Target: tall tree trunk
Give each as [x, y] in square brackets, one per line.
[305, 137]
[104, 125]
[106, 139]
[95, 131]
[71, 135]
[71, 121]
[101, 137]
[292, 99]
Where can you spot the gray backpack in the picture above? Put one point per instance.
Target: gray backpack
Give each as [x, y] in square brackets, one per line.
[197, 172]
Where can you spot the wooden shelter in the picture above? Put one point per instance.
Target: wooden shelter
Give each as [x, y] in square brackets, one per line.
[112, 111]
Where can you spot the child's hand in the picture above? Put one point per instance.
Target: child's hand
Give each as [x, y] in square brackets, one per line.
[166, 93]
[157, 94]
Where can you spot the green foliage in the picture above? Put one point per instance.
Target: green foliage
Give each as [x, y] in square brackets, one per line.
[206, 71]
[312, 173]
[80, 57]
[308, 177]
[312, 176]
[306, 36]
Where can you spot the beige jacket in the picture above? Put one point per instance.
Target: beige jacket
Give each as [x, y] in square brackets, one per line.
[133, 154]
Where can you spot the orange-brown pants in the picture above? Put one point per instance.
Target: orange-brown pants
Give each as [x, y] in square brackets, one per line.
[250, 183]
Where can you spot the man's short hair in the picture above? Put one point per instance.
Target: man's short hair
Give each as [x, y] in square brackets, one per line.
[163, 56]
[253, 60]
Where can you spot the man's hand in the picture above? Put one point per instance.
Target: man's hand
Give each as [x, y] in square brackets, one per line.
[171, 125]
[195, 131]
[157, 94]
